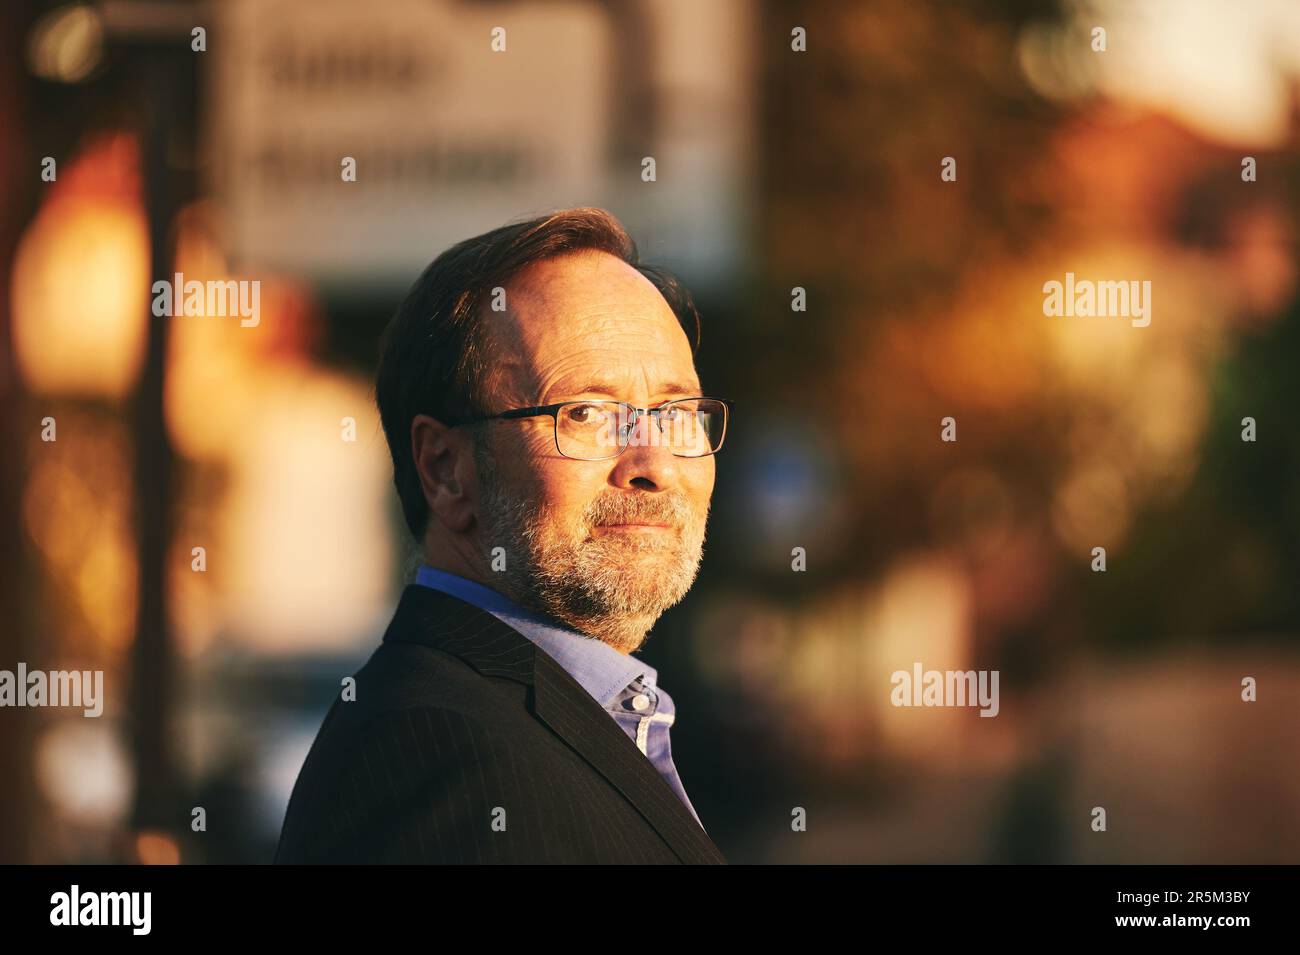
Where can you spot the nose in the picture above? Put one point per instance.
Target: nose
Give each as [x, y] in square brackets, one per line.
[647, 462]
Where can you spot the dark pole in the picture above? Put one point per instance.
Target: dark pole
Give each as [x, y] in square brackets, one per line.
[163, 72]
[17, 426]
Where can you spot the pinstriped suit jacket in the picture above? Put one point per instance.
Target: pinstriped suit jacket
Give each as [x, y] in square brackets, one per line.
[466, 743]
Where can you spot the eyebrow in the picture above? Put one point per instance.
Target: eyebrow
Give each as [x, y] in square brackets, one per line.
[608, 388]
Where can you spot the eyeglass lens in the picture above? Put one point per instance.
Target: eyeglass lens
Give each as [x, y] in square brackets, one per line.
[592, 430]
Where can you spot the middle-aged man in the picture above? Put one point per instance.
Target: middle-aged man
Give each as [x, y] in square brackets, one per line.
[552, 451]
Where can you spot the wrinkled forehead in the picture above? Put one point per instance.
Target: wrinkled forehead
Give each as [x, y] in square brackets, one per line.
[587, 319]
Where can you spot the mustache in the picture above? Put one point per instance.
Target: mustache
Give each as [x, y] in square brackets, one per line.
[641, 508]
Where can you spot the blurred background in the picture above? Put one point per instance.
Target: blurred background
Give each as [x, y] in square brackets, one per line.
[776, 169]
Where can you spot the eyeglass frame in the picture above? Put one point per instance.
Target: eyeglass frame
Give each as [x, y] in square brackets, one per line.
[554, 411]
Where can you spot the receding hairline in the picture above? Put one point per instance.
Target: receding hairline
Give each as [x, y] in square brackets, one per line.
[482, 326]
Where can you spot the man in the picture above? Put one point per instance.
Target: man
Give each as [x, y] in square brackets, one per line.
[552, 450]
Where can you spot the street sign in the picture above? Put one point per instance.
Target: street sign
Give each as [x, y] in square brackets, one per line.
[354, 141]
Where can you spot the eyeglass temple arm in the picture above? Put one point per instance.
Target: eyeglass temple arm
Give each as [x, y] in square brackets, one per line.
[516, 413]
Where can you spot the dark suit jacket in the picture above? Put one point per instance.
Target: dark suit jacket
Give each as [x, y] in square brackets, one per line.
[459, 720]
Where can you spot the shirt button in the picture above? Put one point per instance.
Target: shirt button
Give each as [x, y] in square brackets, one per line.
[640, 702]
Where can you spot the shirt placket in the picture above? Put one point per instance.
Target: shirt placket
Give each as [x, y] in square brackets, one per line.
[641, 700]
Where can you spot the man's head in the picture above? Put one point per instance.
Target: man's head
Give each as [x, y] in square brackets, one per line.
[582, 320]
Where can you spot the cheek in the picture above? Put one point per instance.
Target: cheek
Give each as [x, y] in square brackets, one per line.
[523, 462]
[534, 470]
[699, 481]
[567, 486]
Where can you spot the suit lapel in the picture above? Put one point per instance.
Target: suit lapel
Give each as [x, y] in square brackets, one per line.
[562, 704]
[495, 649]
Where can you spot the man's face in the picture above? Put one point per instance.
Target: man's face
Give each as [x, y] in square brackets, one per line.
[606, 546]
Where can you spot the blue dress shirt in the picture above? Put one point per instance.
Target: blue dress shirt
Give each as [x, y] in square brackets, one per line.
[625, 686]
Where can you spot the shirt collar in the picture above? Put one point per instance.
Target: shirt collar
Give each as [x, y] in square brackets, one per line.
[600, 669]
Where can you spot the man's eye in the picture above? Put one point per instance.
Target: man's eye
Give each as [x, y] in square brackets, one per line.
[582, 414]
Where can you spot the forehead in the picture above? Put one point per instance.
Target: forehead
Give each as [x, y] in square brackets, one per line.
[584, 319]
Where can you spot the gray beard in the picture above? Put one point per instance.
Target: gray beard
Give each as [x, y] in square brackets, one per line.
[613, 587]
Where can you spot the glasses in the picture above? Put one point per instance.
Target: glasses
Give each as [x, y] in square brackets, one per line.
[594, 430]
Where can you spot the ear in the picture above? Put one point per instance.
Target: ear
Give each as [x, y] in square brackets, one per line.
[444, 460]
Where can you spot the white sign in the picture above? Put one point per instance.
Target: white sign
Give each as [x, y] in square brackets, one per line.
[449, 136]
